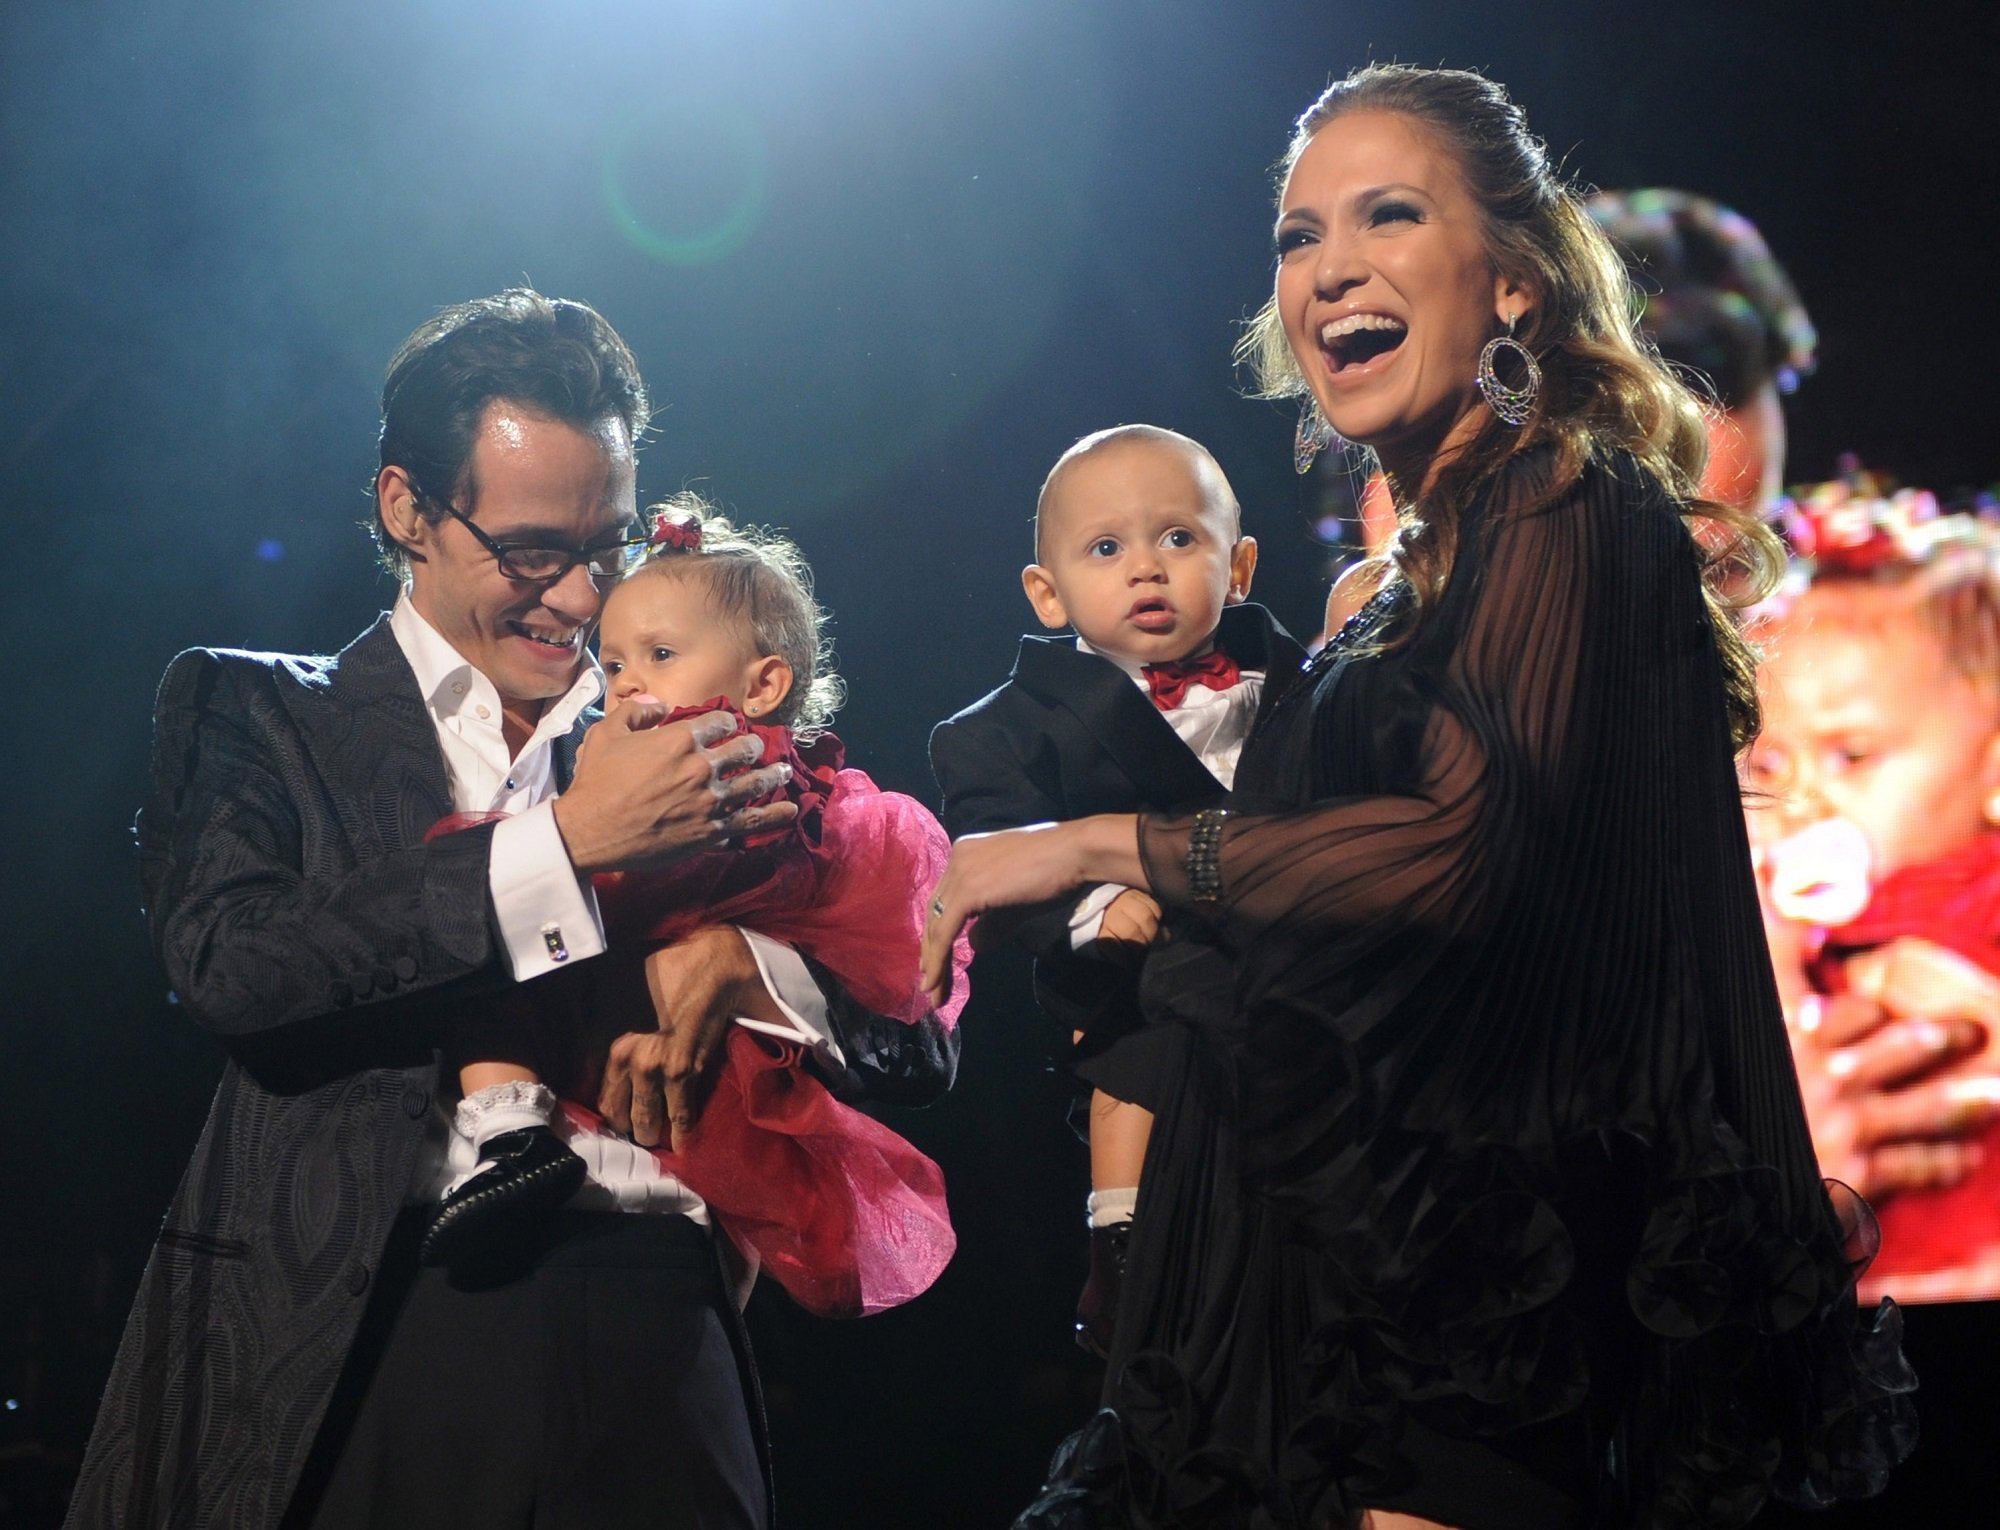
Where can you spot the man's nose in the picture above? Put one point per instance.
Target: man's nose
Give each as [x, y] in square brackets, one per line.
[575, 595]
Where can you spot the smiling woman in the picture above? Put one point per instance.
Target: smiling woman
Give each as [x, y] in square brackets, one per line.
[1481, 1195]
[1385, 289]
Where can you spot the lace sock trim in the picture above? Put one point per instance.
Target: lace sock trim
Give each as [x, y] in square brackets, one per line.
[485, 1113]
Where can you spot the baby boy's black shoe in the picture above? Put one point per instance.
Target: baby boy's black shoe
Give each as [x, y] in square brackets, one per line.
[1097, 1307]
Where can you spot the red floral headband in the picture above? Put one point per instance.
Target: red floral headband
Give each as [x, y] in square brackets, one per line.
[1852, 526]
[672, 536]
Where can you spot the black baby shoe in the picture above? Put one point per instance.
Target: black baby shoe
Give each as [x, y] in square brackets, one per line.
[1097, 1307]
[530, 1173]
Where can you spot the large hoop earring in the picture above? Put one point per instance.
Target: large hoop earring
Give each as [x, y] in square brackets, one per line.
[1314, 435]
[1512, 405]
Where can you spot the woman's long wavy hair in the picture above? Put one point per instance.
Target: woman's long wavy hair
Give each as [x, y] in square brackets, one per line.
[1603, 388]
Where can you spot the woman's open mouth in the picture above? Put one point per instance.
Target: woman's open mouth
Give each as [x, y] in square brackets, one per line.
[1358, 339]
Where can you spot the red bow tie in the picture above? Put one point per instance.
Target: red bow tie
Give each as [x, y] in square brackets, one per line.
[1169, 682]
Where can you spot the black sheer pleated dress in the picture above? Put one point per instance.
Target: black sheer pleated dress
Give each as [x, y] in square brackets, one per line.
[1485, 1192]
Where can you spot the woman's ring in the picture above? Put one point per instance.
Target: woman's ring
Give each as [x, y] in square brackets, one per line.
[937, 908]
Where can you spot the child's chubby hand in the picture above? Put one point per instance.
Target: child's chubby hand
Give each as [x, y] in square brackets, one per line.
[1131, 923]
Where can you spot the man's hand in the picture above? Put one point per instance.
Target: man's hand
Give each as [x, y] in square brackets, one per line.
[1883, 1119]
[1131, 923]
[646, 796]
[656, 1082]
[1895, 1086]
[1919, 977]
[1897, 1075]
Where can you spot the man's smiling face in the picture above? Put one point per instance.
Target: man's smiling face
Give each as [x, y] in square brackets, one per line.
[533, 481]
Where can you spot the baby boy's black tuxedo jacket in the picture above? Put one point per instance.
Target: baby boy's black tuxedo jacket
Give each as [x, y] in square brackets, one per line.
[1069, 735]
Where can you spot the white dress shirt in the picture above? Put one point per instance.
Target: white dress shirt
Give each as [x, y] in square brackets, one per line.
[548, 914]
[1213, 724]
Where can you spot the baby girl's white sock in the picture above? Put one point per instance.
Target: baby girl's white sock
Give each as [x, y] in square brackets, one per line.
[486, 1113]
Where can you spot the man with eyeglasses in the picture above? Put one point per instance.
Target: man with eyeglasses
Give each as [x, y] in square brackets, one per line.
[288, 1361]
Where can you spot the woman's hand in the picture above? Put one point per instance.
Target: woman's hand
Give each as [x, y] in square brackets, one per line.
[1015, 866]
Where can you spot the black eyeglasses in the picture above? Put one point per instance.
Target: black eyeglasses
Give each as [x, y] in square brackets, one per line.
[529, 564]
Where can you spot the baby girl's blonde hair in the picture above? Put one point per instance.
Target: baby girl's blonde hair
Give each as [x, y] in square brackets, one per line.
[755, 576]
[1872, 558]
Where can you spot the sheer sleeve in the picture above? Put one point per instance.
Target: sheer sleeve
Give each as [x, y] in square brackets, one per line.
[1518, 853]
[1495, 676]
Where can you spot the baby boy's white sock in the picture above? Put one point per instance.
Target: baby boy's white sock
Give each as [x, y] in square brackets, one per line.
[1106, 1208]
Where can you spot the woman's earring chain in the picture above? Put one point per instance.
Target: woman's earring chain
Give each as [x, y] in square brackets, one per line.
[1512, 404]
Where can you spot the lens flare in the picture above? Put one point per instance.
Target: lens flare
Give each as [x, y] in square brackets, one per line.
[684, 180]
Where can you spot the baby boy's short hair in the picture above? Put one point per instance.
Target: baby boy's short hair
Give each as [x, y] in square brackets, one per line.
[1206, 466]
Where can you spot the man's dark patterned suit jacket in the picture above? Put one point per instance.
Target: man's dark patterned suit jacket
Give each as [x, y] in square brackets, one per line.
[302, 919]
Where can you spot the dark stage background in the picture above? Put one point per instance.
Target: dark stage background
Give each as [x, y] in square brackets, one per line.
[881, 261]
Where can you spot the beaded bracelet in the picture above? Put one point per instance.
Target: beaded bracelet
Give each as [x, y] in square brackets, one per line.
[1204, 855]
